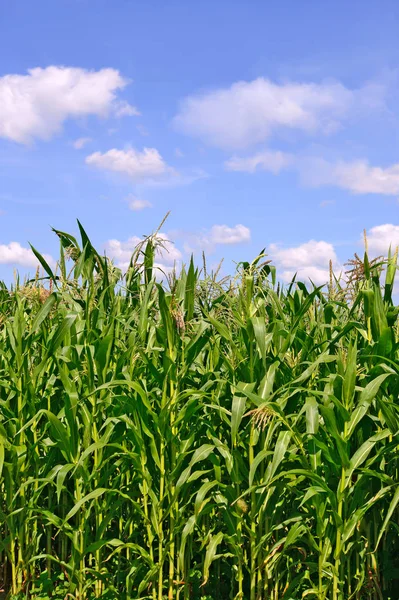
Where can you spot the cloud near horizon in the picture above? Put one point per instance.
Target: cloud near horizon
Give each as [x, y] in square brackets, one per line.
[217, 235]
[15, 254]
[381, 237]
[166, 256]
[309, 260]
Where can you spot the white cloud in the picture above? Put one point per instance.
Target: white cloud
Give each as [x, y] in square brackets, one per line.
[309, 260]
[357, 176]
[137, 204]
[139, 166]
[381, 237]
[146, 167]
[34, 106]
[81, 142]
[124, 109]
[142, 130]
[304, 255]
[217, 235]
[15, 254]
[167, 255]
[265, 161]
[247, 113]
[222, 234]
[178, 178]
[361, 178]
[317, 275]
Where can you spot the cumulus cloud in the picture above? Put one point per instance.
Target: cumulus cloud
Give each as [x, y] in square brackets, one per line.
[264, 161]
[166, 257]
[381, 237]
[223, 234]
[15, 254]
[137, 204]
[81, 142]
[139, 166]
[249, 112]
[146, 167]
[309, 260]
[35, 106]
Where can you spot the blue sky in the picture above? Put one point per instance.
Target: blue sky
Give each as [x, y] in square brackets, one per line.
[257, 124]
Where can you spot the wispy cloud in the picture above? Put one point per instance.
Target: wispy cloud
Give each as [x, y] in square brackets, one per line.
[273, 161]
[357, 176]
[217, 235]
[81, 142]
[250, 112]
[138, 204]
[124, 109]
[142, 130]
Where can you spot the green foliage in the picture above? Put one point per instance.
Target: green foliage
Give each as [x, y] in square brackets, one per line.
[196, 438]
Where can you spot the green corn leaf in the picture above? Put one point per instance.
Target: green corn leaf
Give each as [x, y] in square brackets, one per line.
[388, 516]
[44, 311]
[211, 554]
[187, 530]
[312, 415]
[201, 453]
[366, 397]
[256, 462]
[44, 264]
[149, 254]
[237, 413]
[280, 449]
[190, 291]
[90, 496]
[362, 454]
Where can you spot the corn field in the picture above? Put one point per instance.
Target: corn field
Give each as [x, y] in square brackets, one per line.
[199, 438]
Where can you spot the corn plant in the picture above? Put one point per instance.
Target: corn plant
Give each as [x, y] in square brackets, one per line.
[198, 437]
